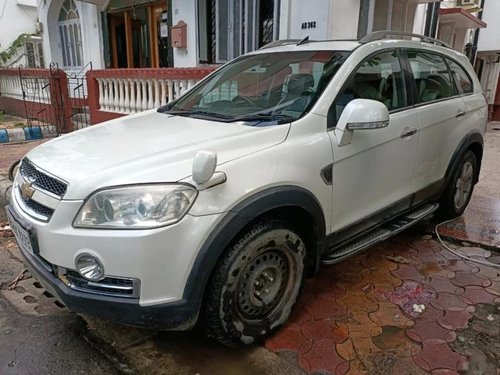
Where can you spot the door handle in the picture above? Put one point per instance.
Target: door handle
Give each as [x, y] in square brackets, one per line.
[408, 132]
[460, 113]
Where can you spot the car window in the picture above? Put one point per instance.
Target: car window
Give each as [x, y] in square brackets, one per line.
[432, 78]
[462, 79]
[379, 78]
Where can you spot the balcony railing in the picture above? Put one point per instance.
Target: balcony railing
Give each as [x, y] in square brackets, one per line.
[34, 81]
[115, 92]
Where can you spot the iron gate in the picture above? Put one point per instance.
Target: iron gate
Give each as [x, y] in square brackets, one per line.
[54, 100]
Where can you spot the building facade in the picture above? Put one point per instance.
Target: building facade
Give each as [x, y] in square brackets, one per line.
[72, 34]
[488, 56]
[189, 33]
[20, 43]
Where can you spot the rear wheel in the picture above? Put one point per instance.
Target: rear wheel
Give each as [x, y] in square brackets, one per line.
[254, 285]
[458, 193]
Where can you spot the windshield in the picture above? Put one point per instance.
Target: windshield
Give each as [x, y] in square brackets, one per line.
[261, 88]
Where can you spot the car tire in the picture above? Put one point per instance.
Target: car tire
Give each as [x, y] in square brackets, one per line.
[459, 190]
[254, 285]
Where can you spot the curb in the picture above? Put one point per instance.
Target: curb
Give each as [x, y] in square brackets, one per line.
[20, 134]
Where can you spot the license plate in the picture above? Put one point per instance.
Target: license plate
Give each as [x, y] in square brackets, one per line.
[22, 235]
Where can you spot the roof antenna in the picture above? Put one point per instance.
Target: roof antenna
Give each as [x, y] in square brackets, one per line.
[303, 41]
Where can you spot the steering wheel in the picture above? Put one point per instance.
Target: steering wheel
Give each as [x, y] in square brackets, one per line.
[245, 99]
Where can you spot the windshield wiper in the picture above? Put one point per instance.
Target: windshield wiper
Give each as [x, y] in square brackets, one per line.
[279, 118]
[187, 112]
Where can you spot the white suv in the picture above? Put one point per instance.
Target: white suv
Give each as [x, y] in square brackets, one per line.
[216, 206]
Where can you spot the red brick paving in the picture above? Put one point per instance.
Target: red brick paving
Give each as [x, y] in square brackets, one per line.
[359, 317]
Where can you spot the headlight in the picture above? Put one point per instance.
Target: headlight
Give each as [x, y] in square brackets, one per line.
[136, 207]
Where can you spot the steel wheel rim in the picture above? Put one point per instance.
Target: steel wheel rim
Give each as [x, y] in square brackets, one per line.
[463, 185]
[265, 284]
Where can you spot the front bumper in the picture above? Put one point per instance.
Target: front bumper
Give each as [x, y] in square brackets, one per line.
[179, 314]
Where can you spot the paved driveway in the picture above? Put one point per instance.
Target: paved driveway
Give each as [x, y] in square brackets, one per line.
[407, 306]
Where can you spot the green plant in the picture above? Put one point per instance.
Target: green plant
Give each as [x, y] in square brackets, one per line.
[11, 51]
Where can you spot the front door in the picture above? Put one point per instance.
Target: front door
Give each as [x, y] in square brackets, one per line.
[160, 42]
[119, 44]
[373, 175]
[139, 36]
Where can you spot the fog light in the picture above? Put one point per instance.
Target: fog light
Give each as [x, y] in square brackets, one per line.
[89, 267]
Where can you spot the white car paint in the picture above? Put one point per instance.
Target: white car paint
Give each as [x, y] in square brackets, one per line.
[145, 147]
[375, 170]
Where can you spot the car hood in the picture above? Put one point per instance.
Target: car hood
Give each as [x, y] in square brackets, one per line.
[145, 147]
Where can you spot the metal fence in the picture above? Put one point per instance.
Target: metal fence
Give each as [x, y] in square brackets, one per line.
[53, 100]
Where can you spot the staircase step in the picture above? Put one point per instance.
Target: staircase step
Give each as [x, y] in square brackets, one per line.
[339, 253]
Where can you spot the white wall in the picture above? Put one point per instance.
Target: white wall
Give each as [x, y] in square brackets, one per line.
[344, 16]
[489, 77]
[92, 45]
[18, 17]
[334, 19]
[419, 21]
[185, 10]
[489, 38]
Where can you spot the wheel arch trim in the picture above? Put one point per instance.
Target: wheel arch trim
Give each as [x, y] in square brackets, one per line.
[474, 137]
[237, 218]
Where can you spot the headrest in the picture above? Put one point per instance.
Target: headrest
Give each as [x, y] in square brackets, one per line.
[300, 83]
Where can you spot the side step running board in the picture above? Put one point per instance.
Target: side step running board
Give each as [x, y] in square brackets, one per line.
[337, 254]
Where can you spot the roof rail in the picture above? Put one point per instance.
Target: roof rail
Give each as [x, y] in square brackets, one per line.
[281, 42]
[378, 35]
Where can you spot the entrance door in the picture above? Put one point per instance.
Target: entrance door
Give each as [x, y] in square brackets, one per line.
[160, 41]
[242, 26]
[139, 37]
[139, 47]
[119, 42]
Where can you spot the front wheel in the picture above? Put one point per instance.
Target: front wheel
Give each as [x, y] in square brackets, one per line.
[457, 195]
[254, 285]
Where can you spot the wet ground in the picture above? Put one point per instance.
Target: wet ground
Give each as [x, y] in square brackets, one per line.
[481, 221]
[397, 309]
[38, 336]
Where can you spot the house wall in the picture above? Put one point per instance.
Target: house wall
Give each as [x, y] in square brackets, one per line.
[419, 22]
[18, 17]
[489, 38]
[333, 19]
[489, 51]
[92, 44]
[344, 15]
[186, 10]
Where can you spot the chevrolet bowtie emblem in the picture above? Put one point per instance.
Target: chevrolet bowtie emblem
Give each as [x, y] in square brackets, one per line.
[27, 189]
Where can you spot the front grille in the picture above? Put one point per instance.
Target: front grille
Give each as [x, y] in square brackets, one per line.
[111, 286]
[38, 208]
[42, 180]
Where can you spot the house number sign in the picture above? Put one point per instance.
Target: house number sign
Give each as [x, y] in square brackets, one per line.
[308, 25]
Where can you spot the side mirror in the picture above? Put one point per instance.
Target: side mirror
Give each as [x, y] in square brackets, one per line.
[360, 114]
[204, 164]
[204, 174]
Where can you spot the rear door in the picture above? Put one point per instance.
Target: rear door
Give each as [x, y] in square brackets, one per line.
[442, 120]
[474, 100]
